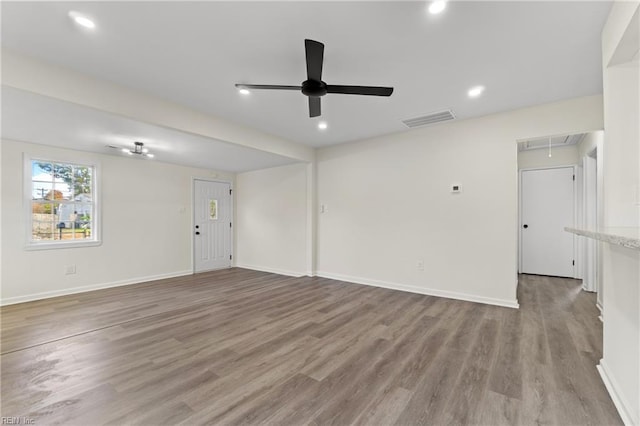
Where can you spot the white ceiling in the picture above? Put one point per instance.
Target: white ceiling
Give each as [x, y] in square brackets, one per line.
[525, 53]
[34, 118]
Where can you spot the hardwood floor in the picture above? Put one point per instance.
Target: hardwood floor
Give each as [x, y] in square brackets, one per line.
[244, 347]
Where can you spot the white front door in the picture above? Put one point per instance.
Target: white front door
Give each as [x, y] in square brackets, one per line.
[547, 207]
[212, 225]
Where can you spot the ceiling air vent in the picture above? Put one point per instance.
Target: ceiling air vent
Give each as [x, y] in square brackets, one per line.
[432, 118]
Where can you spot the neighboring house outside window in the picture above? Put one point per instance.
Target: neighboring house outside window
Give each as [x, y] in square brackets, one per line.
[62, 204]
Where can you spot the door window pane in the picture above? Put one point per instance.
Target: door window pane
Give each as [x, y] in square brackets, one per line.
[213, 209]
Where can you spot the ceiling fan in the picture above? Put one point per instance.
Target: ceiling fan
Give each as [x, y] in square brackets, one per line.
[313, 87]
[138, 149]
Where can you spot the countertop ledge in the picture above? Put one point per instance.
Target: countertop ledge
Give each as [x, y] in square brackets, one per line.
[627, 237]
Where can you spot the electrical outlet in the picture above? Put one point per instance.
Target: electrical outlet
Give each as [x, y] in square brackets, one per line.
[70, 269]
[420, 265]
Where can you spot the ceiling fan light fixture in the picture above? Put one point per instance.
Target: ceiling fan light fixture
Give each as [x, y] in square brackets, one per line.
[138, 149]
[437, 6]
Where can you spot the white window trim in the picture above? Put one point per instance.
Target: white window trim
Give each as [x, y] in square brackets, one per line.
[96, 230]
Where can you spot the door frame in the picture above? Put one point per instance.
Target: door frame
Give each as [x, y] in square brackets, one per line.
[193, 219]
[575, 212]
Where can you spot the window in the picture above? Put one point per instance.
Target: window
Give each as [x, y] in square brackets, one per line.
[61, 204]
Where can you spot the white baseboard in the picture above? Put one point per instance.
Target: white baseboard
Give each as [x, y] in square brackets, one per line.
[421, 290]
[618, 400]
[271, 270]
[83, 289]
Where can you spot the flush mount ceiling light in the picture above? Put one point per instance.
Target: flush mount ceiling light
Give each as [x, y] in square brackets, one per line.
[138, 149]
[244, 91]
[322, 125]
[437, 6]
[81, 20]
[475, 91]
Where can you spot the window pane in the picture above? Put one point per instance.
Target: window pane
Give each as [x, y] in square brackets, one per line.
[82, 183]
[59, 192]
[42, 220]
[66, 214]
[43, 231]
[84, 219]
[41, 171]
[63, 180]
[83, 213]
[41, 190]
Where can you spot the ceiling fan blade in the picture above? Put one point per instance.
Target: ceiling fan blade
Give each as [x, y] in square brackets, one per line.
[267, 86]
[315, 54]
[314, 106]
[360, 90]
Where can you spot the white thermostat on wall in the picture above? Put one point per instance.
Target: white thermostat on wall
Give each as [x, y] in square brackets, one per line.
[456, 188]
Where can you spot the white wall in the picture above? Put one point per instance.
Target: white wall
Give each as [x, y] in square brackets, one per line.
[560, 156]
[271, 231]
[146, 226]
[390, 206]
[620, 365]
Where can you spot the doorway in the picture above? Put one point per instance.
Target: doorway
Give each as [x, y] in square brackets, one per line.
[547, 206]
[212, 212]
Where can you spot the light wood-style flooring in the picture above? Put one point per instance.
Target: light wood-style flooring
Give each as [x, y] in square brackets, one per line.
[244, 347]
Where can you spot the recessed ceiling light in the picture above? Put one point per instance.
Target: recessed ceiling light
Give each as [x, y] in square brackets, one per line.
[475, 91]
[82, 20]
[322, 125]
[244, 91]
[437, 6]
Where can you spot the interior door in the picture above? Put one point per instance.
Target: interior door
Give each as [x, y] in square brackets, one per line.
[212, 225]
[547, 207]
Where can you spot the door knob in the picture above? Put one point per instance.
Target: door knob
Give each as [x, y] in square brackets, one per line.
[525, 226]
[197, 233]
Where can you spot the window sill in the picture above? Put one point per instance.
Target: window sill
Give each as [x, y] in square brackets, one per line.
[57, 245]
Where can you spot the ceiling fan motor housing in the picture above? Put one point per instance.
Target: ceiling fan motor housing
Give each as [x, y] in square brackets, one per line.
[314, 88]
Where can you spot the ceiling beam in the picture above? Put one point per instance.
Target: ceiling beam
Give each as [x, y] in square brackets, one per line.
[51, 80]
